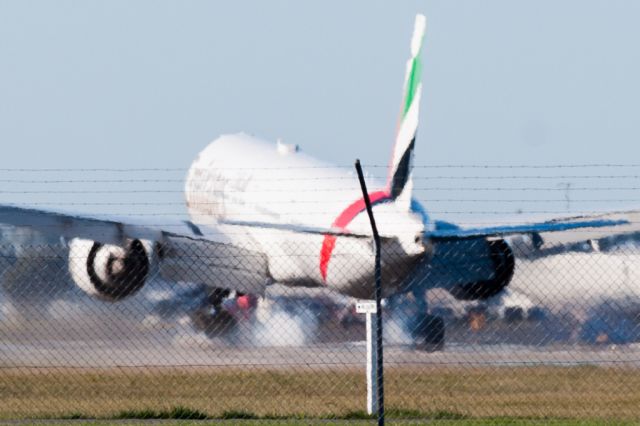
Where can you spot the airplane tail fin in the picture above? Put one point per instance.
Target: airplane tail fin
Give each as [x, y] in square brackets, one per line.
[399, 182]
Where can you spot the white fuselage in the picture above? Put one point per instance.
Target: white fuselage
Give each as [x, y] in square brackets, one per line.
[242, 178]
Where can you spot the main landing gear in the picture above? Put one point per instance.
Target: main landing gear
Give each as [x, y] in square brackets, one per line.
[212, 318]
[221, 312]
[426, 330]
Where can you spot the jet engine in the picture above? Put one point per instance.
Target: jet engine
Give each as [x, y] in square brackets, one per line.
[109, 272]
[502, 263]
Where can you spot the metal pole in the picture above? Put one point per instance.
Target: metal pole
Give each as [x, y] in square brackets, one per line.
[378, 296]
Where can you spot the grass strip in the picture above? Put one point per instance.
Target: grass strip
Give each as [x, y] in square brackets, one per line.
[447, 394]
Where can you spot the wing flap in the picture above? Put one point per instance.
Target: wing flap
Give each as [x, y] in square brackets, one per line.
[625, 223]
[214, 264]
[568, 229]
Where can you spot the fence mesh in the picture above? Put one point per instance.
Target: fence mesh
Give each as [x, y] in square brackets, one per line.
[514, 327]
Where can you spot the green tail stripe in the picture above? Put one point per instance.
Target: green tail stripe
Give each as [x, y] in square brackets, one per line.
[412, 83]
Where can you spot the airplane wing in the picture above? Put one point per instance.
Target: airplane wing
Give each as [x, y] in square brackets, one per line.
[185, 251]
[562, 230]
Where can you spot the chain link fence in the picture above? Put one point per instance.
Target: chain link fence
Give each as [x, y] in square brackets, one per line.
[518, 327]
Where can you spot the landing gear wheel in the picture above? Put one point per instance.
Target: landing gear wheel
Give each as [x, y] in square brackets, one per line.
[212, 318]
[214, 322]
[428, 332]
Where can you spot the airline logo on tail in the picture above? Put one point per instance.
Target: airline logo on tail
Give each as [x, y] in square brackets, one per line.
[402, 155]
[399, 178]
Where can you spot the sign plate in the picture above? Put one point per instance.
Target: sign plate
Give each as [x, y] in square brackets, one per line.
[367, 307]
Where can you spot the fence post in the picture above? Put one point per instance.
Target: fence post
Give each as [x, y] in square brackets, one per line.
[379, 392]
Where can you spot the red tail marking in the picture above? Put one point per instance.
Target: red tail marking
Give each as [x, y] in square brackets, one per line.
[341, 222]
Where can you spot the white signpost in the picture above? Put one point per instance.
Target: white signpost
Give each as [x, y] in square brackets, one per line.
[369, 308]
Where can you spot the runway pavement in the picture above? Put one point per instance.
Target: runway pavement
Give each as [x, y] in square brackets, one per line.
[126, 353]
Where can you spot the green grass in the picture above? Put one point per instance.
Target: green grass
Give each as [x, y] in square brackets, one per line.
[183, 413]
[501, 395]
[467, 422]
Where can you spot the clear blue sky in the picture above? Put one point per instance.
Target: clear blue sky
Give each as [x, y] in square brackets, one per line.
[149, 83]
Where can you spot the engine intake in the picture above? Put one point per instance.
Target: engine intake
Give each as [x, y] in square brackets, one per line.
[503, 261]
[106, 271]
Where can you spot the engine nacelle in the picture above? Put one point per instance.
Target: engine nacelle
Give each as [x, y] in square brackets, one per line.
[502, 263]
[106, 271]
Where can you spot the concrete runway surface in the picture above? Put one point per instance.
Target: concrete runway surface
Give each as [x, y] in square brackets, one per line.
[126, 353]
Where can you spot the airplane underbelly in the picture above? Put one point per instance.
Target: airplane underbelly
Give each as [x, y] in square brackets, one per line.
[358, 280]
[297, 260]
[293, 258]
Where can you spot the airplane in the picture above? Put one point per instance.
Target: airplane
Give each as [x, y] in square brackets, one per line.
[264, 213]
